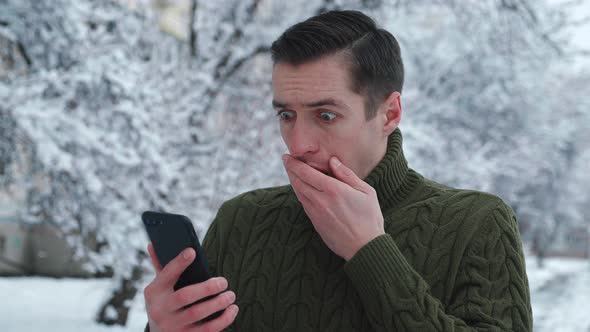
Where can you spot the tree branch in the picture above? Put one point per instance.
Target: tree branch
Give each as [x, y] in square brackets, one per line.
[192, 30]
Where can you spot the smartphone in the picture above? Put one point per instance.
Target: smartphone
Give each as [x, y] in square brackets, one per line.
[170, 234]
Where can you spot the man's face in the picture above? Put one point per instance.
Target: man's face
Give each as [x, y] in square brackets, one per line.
[320, 116]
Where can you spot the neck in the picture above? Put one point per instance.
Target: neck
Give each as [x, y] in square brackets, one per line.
[391, 178]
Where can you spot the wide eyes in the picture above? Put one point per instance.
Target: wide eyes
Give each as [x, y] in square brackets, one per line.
[285, 115]
[324, 116]
[327, 116]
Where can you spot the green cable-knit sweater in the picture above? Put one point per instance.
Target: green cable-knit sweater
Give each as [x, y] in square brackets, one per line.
[451, 260]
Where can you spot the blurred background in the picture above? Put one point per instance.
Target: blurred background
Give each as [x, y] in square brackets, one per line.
[110, 108]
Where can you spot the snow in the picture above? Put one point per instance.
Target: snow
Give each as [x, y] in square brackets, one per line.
[578, 33]
[103, 122]
[560, 294]
[560, 298]
[66, 305]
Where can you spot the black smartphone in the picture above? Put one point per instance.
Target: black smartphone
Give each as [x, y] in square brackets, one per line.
[170, 235]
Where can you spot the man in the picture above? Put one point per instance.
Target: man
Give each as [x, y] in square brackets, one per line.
[358, 241]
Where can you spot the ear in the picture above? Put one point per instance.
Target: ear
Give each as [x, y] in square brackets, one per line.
[391, 111]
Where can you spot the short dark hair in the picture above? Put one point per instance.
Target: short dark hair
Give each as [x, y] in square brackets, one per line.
[376, 65]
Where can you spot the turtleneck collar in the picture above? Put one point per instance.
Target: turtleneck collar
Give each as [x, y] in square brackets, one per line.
[391, 178]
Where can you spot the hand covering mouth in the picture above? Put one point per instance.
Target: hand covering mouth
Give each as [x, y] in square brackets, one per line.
[327, 172]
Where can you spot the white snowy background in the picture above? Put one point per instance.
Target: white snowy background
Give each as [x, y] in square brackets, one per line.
[109, 108]
[560, 297]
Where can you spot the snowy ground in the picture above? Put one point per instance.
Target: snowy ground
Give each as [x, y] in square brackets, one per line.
[64, 305]
[560, 296]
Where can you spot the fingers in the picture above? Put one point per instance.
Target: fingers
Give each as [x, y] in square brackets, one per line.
[221, 322]
[346, 175]
[154, 258]
[175, 311]
[302, 189]
[190, 294]
[170, 273]
[306, 173]
[198, 312]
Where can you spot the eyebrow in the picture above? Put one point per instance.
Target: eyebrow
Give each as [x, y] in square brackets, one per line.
[318, 103]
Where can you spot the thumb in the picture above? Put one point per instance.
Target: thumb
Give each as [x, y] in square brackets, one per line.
[346, 175]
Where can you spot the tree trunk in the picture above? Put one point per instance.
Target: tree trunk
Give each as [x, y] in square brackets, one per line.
[115, 310]
[192, 30]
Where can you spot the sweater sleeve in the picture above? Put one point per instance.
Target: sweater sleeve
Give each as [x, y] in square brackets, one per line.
[491, 291]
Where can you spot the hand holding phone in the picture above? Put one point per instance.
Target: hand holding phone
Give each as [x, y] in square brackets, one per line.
[170, 234]
[176, 300]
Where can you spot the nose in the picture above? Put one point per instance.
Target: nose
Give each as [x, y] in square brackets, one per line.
[301, 141]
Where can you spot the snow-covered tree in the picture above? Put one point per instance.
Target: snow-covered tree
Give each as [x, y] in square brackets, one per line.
[103, 116]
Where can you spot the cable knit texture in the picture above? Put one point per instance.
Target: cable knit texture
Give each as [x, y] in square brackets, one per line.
[451, 260]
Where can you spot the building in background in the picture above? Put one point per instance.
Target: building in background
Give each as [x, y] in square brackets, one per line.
[33, 249]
